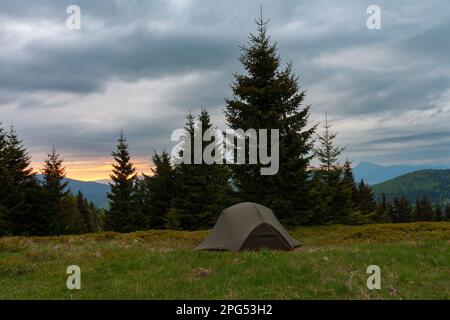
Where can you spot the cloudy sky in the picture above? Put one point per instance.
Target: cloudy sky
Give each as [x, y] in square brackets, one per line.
[141, 65]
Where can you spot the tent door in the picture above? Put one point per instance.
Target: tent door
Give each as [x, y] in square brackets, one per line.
[265, 236]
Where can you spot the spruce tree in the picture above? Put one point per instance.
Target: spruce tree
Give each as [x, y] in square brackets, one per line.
[156, 191]
[17, 187]
[70, 220]
[123, 215]
[335, 193]
[418, 210]
[402, 210]
[201, 190]
[269, 97]
[97, 217]
[327, 152]
[87, 213]
[384, 210]
[54, 177]
[17, 159]
[348, 180]
[217, 190]
[427, 209]
[366, 200]
[185, 203]
[55, 188]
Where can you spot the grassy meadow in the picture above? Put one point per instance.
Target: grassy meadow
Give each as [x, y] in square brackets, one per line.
[331, 264]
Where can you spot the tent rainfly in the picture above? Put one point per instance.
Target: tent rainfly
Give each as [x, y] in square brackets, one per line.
[248, 226]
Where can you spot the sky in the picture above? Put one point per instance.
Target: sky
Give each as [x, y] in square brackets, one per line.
[140, 66]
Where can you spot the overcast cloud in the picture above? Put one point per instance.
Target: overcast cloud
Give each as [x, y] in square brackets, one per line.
[141, 65]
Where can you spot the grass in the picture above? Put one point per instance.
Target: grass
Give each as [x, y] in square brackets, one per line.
[331, 264]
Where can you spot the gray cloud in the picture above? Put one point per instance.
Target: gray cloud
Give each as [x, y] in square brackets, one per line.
[164, 58]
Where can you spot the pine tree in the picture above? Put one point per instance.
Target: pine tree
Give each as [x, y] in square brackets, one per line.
[328, 153]
[402, 210]
[124, 215]
[201, 190]
[335, 193]
[18, 184]
[54, 175]
[97, 217]
[418, 210]
[348, 180]
[268, 97]
[384, 210]
[55, 188]
[427, 209]
[87, 212]
[156, 191]
[217, 190]
[17, 159]
[366, 200]
[69, 219]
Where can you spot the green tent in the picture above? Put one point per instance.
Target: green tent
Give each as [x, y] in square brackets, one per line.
[248, 226]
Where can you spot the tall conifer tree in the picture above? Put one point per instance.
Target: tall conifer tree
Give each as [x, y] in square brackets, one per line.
[18, 187]
[335, 196]
[156, 191]
[366, 200]
[401, 210]
[328, 153]
[55, 188]
[348, 179]
[124, 214]
[87, 212]
[201, 190]
[269, 97]
[427, 213]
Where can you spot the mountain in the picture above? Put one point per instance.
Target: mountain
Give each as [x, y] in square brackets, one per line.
[93, 191]
[103, 181]
[373, 173]
[434, 183]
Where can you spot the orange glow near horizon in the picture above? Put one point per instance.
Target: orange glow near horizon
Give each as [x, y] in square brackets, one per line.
[92, 170]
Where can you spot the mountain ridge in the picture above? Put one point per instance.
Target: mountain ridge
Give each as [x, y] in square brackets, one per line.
[434, 183]
[373, 173]
[93, 191]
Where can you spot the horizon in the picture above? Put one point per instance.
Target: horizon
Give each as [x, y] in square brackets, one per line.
[387, 91]
[99, 177]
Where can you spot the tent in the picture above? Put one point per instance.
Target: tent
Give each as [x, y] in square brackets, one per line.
[248, 226]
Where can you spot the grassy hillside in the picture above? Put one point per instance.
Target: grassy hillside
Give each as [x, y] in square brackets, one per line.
[434, 183]
[373, 173]
[414, 261]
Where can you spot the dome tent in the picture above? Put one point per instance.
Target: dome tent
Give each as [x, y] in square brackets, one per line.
[248, 226]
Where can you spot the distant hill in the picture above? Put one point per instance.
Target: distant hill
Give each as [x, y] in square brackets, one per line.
[373, 173]
[93, 191]
[103, 181]
[434, 183]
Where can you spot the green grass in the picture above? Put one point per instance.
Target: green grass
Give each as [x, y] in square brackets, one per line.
[331, 264]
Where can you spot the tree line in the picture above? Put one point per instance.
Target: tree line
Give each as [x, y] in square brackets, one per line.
[41, 207]
[311, 187]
